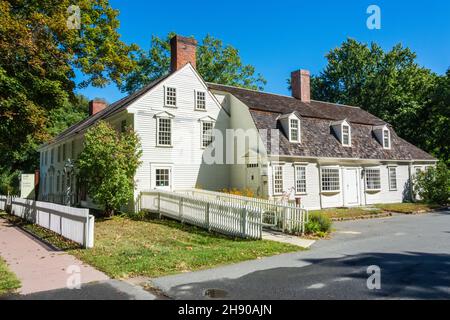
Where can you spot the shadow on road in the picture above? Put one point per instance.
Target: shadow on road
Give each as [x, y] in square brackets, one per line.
[410, 275]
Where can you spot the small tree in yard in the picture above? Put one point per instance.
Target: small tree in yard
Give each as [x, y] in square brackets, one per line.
[433, 185]
[108, 164]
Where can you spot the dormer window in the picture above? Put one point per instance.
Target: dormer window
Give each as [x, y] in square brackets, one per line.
[294, 130]
[291, 126]
[383, 135]
[343, 132]
[386, 139]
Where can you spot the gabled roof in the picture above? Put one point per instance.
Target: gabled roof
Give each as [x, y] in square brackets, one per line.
[317, 117]
[262, 101]
[112, 109]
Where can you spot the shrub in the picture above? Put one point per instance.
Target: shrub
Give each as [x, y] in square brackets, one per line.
[318, 223]
[245, 192]
[433, 184]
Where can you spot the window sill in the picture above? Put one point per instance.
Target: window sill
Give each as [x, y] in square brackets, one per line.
[163, 146]
[173, 107]
[301, 194]
[373, 190]
[330, 191]
[202, 110]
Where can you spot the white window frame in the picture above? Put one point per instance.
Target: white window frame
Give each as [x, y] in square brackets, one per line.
[158, 144]
[161, 166]
[348, 134]
[277, 191]
[390, 176]
[202, 133]
[331, 183]
[291, 129]
[196, 99]
[166, 96]
[388, 138]
[367, 175]
[168, 180]
[300, 179]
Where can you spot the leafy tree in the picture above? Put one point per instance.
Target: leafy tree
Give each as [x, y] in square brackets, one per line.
[68, 114]
[433, 185]
[39, 54]
[436, 120]
[215, 62]
[391, 85]
[108, 164]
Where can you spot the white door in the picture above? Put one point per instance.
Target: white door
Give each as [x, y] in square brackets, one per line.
[351, 187]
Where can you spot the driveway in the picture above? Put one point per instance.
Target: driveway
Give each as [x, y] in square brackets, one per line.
[412, 252]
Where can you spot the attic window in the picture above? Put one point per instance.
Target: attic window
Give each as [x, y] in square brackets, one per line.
[170, 97]
[200, 100]
[346, 135]
[386, 139]
[294, 130]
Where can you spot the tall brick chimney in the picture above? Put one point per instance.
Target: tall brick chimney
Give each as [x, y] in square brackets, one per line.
[182, 51]
[96, 105]
[300, 83]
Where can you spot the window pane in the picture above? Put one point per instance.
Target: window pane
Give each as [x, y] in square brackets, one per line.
[162, 177]
[345, 135]
[164, 131]
[171, 96]
[330, 179]
[393, 178]
[294, 129]
[278, 179]
[201, 100]
[386, 138]
[373, 179]
[207, 137]
[300, 177]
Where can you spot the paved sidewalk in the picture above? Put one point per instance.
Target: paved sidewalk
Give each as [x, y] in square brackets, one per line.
[38, 267]
[286, 238]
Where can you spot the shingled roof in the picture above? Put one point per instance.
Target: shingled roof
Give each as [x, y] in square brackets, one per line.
[109, 111]
[318, 139]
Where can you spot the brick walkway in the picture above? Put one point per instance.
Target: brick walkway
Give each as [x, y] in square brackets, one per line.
[38, 267]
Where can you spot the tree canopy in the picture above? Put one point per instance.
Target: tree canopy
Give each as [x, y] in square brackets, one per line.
[216, 62]
[39, 55]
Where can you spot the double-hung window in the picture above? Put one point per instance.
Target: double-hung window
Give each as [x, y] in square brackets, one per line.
[373, 180]
[162, 177]
[392, 178]
[294, 130]
[200, 100]
[170, 97]
[300, 179]
[278, 180]
[330, 179]
[207, 133]
[386, 139]
[346, 135]
[164, 132]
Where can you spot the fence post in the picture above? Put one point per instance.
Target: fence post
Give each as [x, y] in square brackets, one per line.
[303, 221]
[283, 223]
[159, 204]
[244, 222]
[207, 217]
[180, 204]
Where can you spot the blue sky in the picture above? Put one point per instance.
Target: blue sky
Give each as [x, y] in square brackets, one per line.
[278, 37]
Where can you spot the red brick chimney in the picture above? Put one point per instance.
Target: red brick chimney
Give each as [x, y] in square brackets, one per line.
[182, 51]
[96, 106]
[300, 83]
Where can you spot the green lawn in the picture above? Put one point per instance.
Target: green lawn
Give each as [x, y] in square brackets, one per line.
[128, 248]
[8, 280]
[406, 207]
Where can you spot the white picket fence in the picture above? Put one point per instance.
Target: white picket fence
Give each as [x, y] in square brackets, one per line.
[276, 215]
[72, 223]
[219, 216]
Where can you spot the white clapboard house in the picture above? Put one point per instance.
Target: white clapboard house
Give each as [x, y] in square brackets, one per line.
[324, 154]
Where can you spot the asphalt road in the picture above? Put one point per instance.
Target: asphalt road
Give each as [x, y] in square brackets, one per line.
[412, 253]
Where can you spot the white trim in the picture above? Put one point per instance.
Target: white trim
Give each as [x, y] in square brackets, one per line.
[365, 179]
[349, 144]
[389, 138]
[295, 179]
[153, 168]
[196, 108]
[298, 140]
[158, 144]
[389, 178]
[337, 168]
[165, 97]
[273, 179]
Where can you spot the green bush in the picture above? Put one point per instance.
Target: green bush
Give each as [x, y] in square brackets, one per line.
[318, 223]
[433, 184]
